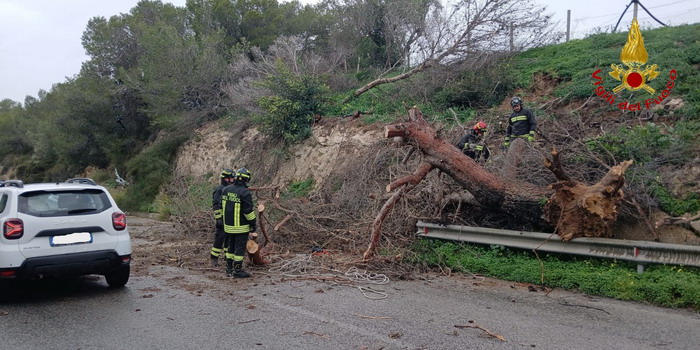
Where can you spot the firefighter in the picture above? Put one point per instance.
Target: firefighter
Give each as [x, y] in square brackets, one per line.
[220, 241]
[239, 220]
[472, 144]
[521, 122]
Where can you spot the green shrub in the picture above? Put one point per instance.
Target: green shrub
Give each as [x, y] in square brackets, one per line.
[148, 171]
[640, 143]
[482, 88]
[291, 107]
[689, 203]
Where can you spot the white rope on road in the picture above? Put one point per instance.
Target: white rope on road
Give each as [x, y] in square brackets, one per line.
[304, 266]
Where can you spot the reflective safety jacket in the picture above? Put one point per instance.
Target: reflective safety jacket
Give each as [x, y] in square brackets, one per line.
[521, 124]
[471, 142]
[237, 209]
[216, 201]
[473, 146]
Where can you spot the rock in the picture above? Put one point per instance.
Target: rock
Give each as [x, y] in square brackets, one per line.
[695, 226]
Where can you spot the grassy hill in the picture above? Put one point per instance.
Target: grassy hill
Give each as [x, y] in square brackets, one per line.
[572, 64]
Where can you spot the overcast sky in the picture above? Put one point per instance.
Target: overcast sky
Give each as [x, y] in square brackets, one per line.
[40, 39]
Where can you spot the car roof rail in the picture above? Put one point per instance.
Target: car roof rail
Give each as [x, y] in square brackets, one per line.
[13, 183]
[82, 180]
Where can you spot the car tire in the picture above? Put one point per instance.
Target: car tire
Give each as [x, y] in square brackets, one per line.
[118, 277]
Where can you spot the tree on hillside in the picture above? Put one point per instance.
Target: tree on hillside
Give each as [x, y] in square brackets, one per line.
[380, 33]
[282, 88]
[471, 28]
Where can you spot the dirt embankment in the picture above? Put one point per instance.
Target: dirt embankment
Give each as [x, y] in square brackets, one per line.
[333, 145]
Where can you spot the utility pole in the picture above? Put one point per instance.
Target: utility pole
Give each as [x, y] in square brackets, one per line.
[636, 3]
[568, 24]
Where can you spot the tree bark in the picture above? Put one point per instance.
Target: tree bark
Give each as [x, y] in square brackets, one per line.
[413, 179]
[488, 189]
[377, 225]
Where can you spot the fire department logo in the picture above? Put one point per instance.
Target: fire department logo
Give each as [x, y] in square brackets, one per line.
[634, 56]
[635, 76]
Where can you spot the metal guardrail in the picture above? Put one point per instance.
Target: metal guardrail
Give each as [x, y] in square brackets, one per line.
[640, 252]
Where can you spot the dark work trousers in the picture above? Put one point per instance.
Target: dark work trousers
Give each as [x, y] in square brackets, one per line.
[236, 245]
[220, 239]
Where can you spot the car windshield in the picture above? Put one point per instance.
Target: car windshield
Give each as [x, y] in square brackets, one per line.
[63, 203]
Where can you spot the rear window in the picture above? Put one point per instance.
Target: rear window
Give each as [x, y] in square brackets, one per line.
[63, 203]
[3, 202]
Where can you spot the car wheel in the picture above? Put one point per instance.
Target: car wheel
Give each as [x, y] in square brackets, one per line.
[118, 277]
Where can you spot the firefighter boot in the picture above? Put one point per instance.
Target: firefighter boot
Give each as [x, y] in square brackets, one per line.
[238, 271]
[214, 260]
[229, 267]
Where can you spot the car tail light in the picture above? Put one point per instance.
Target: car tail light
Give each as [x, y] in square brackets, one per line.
[8, 273]
[13, 229]
[118, 221]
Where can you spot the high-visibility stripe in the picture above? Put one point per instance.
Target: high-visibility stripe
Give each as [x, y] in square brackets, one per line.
[518, 118]
[250, 216]
[217, 250]
[218, 214]
[479, 148]
[234, 257]
[237, 214]
[237, 229]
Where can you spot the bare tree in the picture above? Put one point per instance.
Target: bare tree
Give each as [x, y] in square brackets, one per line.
[247, 69]
[472, 27]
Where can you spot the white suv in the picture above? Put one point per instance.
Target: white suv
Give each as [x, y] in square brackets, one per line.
[62, 229]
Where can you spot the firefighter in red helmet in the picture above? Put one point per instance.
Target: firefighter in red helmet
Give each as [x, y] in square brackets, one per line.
[472, 144]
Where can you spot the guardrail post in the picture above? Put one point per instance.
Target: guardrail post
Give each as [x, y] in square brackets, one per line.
[640, 268]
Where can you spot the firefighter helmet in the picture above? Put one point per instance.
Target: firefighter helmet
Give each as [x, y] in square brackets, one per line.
[226, 173]
[516, 101]
[480, 127]
[242, 175]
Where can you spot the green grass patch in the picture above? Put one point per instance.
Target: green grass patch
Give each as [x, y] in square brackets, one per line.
[573, 62]
[299, 189]
[663, 285]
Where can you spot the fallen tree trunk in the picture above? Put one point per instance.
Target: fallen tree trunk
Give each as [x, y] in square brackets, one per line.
[573, 208]
[488, 189]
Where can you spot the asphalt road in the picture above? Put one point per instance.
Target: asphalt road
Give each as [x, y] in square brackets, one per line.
[173, 308]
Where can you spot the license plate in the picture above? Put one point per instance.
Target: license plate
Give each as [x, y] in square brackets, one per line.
[73, 238]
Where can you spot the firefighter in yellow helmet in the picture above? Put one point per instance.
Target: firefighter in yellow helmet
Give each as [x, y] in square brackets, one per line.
[220, 241]
[472, 144]
[239, 220]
